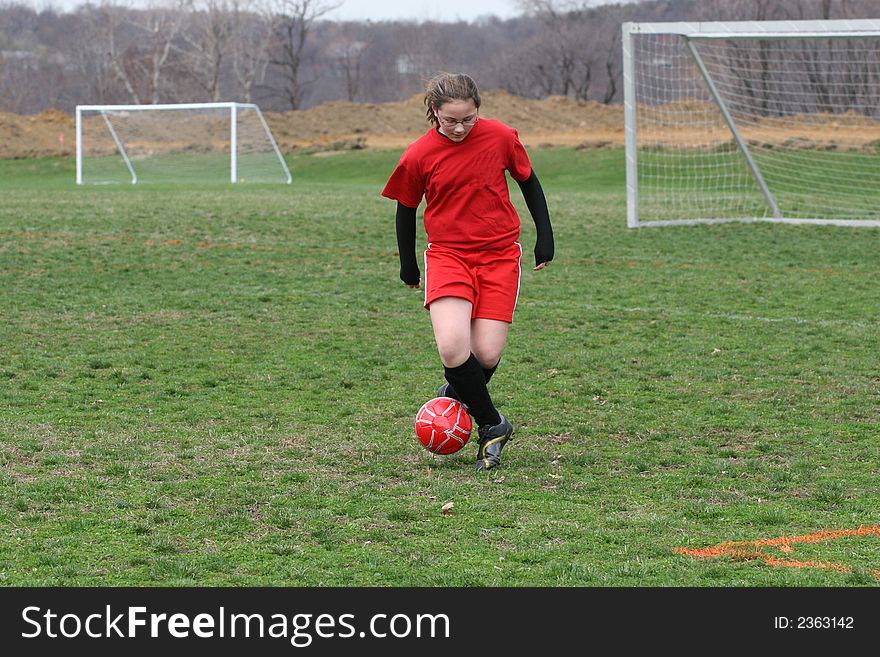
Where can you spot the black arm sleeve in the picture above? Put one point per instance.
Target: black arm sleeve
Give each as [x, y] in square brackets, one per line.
[406, 244]
[537, 204]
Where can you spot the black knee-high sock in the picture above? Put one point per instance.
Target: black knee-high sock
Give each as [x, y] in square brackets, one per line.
[487, 374]
[469, 382]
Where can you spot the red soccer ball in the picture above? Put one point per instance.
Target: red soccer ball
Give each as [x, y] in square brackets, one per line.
[443, 425]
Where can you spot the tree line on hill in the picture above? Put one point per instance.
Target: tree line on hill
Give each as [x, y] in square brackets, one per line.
[285, 54]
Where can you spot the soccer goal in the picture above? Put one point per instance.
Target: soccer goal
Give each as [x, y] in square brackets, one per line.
[182, 143]
[752, 121]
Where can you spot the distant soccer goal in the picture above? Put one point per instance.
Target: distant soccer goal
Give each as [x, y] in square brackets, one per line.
[182, 143]
[752, 121]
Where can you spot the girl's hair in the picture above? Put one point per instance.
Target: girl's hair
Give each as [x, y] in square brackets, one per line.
[444, 87]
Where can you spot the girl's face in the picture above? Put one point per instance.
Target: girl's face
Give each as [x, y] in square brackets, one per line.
[456, 118]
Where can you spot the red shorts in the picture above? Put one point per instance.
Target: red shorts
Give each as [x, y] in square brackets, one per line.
[488, 279]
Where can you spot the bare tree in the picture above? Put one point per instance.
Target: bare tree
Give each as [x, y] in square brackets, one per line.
[348, 54]
[117, 51]
[108, 21]
[292, 21]
[89, 54]
[208, 38]
[249, 45]
[613, 67]
[826, 8]
[561, 60]
[419, 52]
[138, 43]
[160, 27]
[33, 72]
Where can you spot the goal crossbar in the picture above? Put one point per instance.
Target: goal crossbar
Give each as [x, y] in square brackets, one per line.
[164, 106]
[766, 29]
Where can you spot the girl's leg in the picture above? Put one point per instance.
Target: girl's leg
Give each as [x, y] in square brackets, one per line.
[488, 337]
[456, 335]
[451, 319]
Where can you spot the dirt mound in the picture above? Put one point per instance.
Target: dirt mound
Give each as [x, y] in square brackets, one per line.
[43, 135]
[553, 121]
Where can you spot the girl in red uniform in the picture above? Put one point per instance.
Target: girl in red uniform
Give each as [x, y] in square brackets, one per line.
[472, 263]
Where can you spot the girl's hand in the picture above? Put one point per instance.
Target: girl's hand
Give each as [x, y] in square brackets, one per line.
[542, 265]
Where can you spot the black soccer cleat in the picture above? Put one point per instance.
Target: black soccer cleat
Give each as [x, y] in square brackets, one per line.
[492, 441]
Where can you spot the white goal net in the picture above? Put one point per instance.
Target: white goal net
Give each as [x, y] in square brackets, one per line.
[184, 143]
[753, 121]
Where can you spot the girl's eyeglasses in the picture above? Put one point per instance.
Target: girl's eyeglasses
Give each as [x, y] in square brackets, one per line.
[466, 122]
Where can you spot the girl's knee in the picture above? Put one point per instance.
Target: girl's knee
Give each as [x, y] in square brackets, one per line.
[453, 353]
[487, 357]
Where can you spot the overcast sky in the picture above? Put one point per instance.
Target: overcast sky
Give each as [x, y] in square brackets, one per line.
[376, 10]
[436, 10]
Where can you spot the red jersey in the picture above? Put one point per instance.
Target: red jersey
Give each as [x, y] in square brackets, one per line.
[465, 188]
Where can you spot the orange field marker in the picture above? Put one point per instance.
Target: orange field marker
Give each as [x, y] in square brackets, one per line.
[749, 550]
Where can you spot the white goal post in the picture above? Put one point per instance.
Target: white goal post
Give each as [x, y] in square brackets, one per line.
[774, 121]
[180, 143]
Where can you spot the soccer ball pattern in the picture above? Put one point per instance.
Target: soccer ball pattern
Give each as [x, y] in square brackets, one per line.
[443, 425]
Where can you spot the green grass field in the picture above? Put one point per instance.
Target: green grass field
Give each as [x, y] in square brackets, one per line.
[216, 386]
